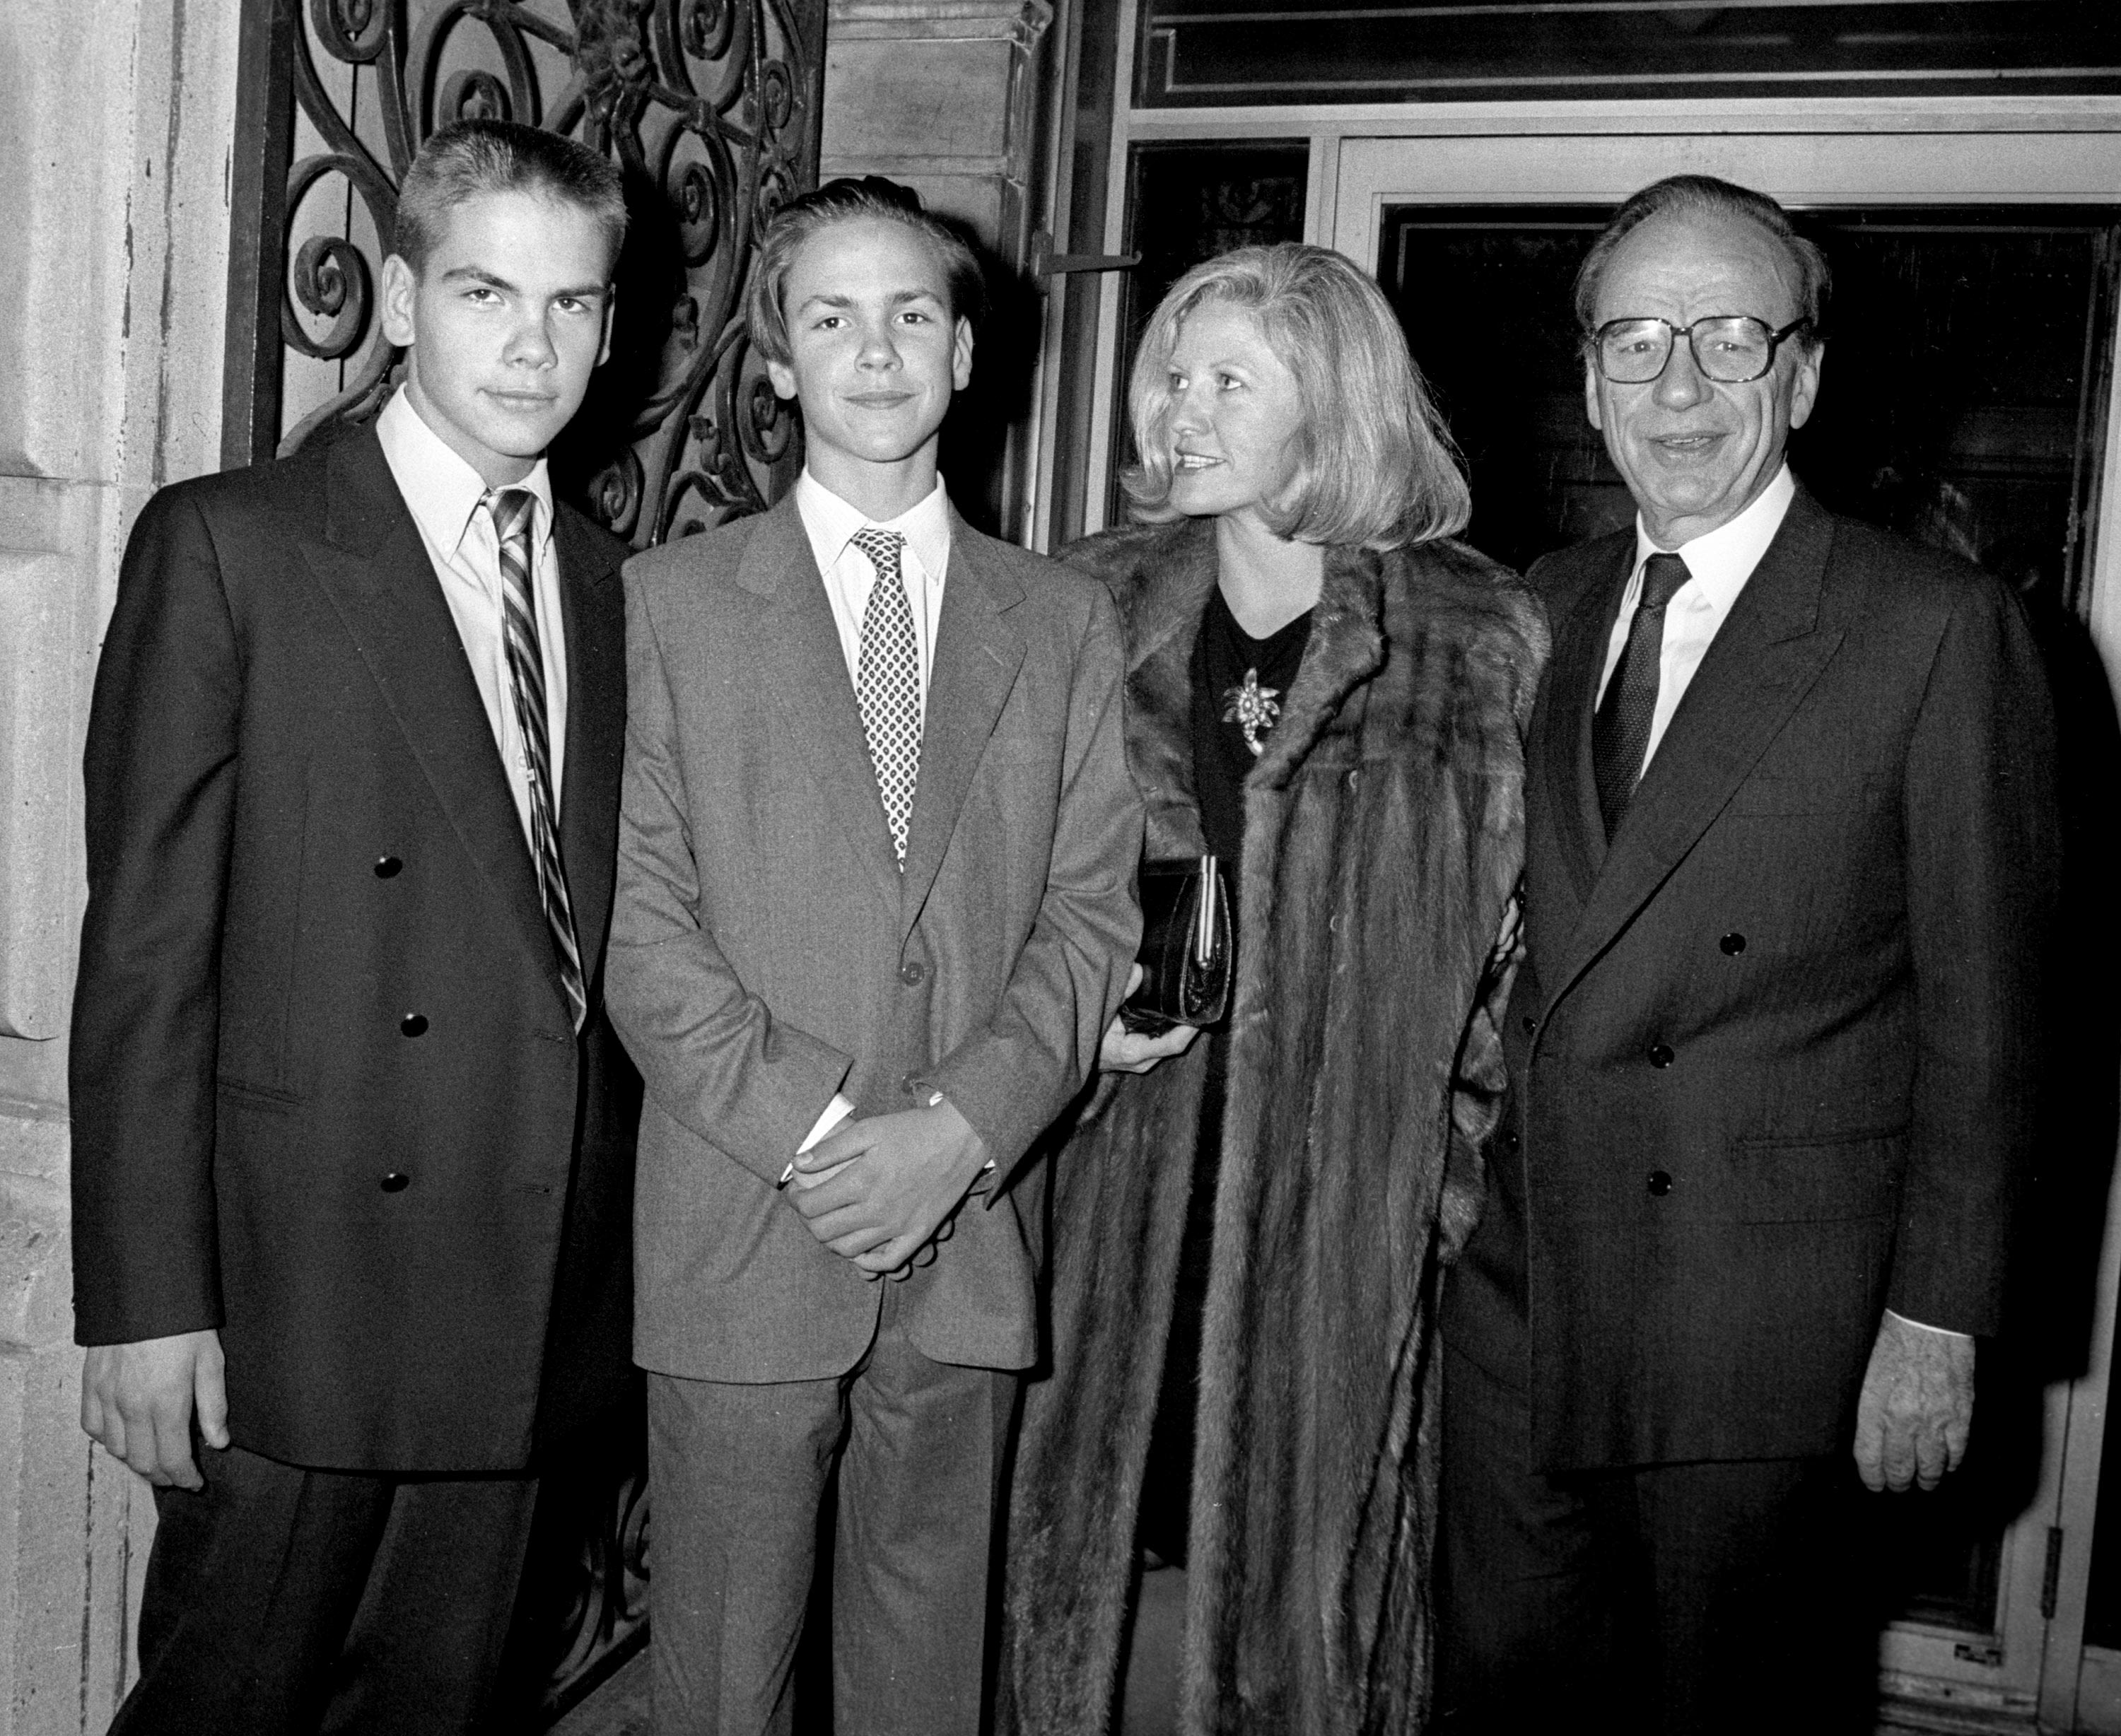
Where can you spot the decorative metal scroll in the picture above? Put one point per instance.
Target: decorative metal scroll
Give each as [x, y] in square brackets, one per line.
[710, 106]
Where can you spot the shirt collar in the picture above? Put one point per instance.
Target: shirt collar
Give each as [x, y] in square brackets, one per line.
[1723, 559]
[441, 491]
[832, 522]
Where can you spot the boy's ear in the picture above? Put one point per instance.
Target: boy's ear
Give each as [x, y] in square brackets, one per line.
[961, 355]
[401, 290]
[783, 377]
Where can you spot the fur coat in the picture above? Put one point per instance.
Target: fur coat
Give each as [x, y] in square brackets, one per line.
[1383, 834]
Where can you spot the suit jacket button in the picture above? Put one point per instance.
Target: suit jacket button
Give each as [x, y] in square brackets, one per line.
[1530, 1025]
[1660, 1054]
[396, 1182]
[1732, 944]
[910, 1085]
[1511, 1142]
[414, 1024]
[911, 972]
[1660, 1184]
[387, 867]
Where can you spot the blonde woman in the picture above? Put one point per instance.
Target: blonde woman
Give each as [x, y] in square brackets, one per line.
[1249, 1231]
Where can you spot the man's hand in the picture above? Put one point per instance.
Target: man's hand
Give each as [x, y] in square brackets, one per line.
[1129, 1051]
[1916, 1408]
[878, 1189]
[138, 1400]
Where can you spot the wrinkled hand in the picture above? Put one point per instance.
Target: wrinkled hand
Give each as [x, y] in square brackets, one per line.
[1916, 1408]
[878, 1189]
[1129, 1051]
[139, 1401]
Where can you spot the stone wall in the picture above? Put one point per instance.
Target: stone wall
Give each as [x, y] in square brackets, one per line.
[114, 128]
[942, 95]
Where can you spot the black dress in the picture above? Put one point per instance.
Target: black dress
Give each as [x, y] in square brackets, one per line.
[1238, 683]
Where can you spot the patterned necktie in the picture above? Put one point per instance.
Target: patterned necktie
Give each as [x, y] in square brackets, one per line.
[511, 511]
[1620, 731]
[888, 682]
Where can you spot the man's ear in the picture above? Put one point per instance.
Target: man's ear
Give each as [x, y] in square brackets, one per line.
[1804, 390]
[610, 302]
[784, 379]
[401, 290]
[1591, 408]
[961, 355]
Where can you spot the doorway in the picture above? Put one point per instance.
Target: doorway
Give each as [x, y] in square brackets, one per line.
[1969, 399]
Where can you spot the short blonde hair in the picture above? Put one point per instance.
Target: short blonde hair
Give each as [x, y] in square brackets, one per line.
[1376, 467]
[843, 201]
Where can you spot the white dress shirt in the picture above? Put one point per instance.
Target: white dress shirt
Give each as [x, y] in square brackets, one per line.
[831, 523]
[848, 575]
[1717, 564]
[443, 494]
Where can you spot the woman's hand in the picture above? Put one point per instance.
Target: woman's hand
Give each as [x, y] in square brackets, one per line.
[1129, 1051]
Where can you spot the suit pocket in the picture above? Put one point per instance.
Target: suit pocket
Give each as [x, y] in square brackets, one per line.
[1814, 1180]
[262, 1097]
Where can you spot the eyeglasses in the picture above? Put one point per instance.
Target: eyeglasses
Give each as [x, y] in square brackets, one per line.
[1729, 348]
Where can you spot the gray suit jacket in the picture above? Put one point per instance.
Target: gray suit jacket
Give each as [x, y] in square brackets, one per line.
[765, 951]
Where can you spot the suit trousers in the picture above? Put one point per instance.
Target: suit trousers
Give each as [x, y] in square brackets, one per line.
[284, 1602]
[740, 1472]
[1684, 1598]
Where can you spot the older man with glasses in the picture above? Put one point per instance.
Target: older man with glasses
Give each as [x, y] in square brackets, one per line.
[1790, 848]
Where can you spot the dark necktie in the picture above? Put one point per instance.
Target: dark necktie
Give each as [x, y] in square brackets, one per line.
[512, 510]
[1621, 733]
[888, 683]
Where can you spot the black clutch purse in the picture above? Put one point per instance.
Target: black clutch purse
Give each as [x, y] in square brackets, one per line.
[1185, 946]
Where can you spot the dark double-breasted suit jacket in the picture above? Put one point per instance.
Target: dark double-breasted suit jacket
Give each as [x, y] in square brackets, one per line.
[327, 1096]
[1773, 1051]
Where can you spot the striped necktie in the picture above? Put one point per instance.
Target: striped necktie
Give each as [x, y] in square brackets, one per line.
[888, 682]
[511, 508]
[1621, 731]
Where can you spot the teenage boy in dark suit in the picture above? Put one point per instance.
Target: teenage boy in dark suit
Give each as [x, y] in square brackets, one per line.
[352, 1155]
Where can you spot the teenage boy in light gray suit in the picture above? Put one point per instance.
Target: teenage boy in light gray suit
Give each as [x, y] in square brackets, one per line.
[874, 910]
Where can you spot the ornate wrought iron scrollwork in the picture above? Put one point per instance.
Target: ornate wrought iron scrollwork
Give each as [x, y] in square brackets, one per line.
[711, 108]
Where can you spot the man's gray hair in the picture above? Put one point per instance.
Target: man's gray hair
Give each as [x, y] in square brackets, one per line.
[1699, 193]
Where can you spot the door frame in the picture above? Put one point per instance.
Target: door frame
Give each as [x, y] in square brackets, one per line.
[1815, 155]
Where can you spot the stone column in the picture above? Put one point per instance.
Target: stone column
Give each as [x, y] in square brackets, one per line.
[114, 127]
[944, 95]
[940, 95]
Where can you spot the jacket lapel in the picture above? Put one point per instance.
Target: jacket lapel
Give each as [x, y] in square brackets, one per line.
[975, 655]
[1770, 651]
[594, 611]
[805, 671]
[1347, 646]
[1563, 767]
[1162, 601]
[373, 568]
